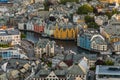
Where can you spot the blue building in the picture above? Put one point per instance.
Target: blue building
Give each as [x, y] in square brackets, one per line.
[7, 54]
[84, 38]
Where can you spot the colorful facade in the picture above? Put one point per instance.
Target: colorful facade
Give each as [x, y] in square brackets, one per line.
[38, 28]
[65, 33]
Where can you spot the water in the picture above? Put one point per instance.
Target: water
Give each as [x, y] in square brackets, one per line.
[68, 45]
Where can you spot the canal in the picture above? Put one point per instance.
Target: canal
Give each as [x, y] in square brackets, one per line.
[68, 45]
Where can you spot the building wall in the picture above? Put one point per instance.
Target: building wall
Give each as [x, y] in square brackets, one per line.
[64, 34]
[49, 50]
[98, 46]
[15, 39]
[116, 47]
[84, 42]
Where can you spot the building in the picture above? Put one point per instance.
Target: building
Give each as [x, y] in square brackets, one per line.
[66, 31]
[110, 1]
[10, 36]
[99, 43]
[75, 71]
[116, 46]
[50, 75]
[11, 53]
[44, 46]
[29, 26]
[111, 31]
[90, 39]
[107, 72]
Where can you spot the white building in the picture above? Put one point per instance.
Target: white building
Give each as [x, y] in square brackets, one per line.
[30, 26]
[116, 46]
[44, 46]
[11, 36]
[98, 43]
[107, 72]
[21, 26]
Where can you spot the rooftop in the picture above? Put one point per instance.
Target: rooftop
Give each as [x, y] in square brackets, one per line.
[9, 32]
[108, 70]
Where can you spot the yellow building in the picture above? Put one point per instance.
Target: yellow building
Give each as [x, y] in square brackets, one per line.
[65, 33]
[110, 1]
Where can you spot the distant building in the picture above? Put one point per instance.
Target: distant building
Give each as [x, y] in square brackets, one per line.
[111, 31]
[116, 46]
[107, 72]
[10, 36]
[44, 46]
[12, 53]
[66, 31]
[90, 39]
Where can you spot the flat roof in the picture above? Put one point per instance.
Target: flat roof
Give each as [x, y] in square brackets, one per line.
[107, 70]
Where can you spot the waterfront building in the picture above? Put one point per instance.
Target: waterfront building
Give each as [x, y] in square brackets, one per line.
[99, 43]
[10, 36]
[90, 39]
[66, 31]
[29, 26]
[111, 31]
[107, 72]
[44, 46]
[38, 27]
[116, 46]
[49, 29]
[21, 26]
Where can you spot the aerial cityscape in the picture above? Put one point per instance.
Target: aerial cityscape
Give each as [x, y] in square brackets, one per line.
[59, 39]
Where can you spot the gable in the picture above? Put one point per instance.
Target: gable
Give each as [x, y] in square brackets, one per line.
[52, 75]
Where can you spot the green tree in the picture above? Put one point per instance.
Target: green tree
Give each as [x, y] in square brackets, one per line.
[93, 25]
[91, 22]
[109, 62]
[89, 19]
[85, 9]
[65, 1]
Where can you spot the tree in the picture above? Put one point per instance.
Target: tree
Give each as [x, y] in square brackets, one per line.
[93, 25]
[89, 19]
[109, 62]
[91, 22]
[85, 9]
[65, 1]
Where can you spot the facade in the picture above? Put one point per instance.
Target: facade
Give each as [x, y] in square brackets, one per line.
[90, 39]
[30, 26]
[21, 26]
[10, 36]
[65, 32]
[107, 72]
[44, 46]
[11, 53]
[116, 46]
[98, 43]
